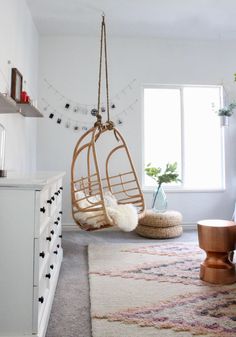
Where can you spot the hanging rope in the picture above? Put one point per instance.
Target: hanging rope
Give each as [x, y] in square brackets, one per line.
[103, 43]
[100, 70]
[106, 70]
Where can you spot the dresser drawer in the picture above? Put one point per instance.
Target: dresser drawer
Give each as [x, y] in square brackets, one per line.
[55, 257]
[55, 251]
[44, 206]
[59, 189]
[56, 223]
[53, 194]
[45, 239]
[43, 290]
[44, 247]
[56, 192]
[49, 202]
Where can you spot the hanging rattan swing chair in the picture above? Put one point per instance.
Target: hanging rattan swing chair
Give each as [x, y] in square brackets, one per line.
[95, 173]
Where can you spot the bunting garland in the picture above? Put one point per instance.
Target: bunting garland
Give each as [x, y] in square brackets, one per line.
[67, 109]
[80, 125]
[84, 109]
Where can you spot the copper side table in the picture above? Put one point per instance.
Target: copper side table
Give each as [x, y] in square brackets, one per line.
[218, 239]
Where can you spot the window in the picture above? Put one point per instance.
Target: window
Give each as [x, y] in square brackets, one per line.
[180, 125]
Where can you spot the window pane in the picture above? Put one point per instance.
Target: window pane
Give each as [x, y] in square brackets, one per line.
[162, 128]
[202, 138]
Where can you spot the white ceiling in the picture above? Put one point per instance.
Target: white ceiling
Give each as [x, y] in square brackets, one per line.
[188, 19]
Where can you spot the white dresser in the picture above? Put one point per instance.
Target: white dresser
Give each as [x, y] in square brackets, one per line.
[30, 251]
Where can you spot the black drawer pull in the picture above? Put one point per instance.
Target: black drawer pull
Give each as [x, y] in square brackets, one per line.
[52, 198]
[56, 193]
[49, 201]
[49, 238]
[48, 275]
[52, 232]
[52, 266]
[41, 299]
[60, 236]
[60, 212]
[58, 219]
[42, 254]
[43, 209]
[61, 188]
[56, 222]
[58, 246]
[55, 252]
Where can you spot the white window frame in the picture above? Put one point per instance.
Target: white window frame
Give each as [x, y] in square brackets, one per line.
[181, 188]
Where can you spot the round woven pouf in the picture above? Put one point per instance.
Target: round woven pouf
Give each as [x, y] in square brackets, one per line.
[160, 225]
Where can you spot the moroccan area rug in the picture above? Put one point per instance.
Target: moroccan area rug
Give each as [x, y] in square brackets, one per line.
[143, 290]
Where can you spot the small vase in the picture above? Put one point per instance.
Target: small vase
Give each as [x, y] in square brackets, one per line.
[159, 203]
[224, 120]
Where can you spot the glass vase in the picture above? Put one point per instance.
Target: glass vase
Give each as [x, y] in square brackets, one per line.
[159, 203]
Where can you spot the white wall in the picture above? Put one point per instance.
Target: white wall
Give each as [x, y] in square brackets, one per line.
[71, 65]
[19, 44]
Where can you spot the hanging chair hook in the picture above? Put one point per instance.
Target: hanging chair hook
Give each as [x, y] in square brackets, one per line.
[99, 120]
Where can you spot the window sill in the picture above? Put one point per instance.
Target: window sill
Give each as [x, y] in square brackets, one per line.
[178, 190]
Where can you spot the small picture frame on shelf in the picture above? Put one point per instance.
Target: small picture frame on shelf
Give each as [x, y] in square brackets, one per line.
[16, 85]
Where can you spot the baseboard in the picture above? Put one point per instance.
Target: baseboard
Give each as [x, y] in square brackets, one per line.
[70, 226]
[189, 226]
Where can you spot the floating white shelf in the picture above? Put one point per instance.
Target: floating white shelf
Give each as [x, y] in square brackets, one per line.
[7, 104]
[28, 110]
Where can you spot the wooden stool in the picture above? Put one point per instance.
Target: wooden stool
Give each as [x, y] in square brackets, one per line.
[218, 239]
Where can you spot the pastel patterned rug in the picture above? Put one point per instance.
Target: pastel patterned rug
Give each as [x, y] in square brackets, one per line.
[154, 290]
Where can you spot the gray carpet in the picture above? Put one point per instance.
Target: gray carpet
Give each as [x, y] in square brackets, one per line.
[70, 316]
